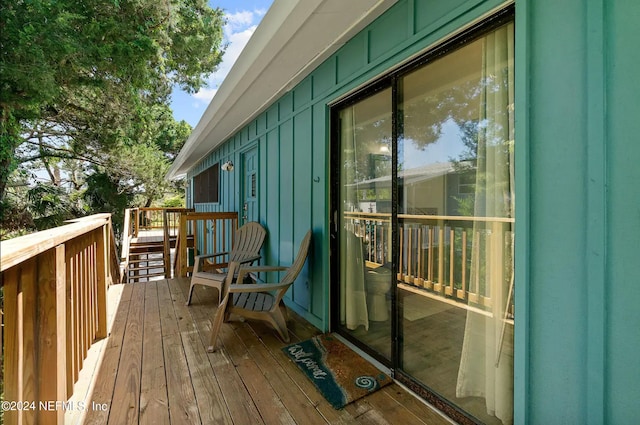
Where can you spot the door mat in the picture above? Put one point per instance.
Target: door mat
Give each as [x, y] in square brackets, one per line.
[341, 375]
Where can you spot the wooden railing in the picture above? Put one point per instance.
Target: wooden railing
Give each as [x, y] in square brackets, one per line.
[55, 306]
[436, 252]
[204, 233]
[149, 218]
[165, 219]
[115, 273]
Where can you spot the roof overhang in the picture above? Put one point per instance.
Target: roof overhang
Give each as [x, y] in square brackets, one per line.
[294, 37]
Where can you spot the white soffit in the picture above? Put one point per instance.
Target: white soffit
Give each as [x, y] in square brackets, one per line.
[294, 37]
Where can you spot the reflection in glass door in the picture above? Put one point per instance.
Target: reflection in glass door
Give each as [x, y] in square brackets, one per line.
[455, 218]
[364, 222]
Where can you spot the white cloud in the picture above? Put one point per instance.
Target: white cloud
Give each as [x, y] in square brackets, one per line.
[238, 30]
[205, 95]
[239, 19]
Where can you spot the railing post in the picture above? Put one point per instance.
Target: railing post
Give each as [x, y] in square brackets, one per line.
[114, 260]
[136, 222]
[166, 246]
[52, 333]
[102, 261]
[182, 255]
[14, 341]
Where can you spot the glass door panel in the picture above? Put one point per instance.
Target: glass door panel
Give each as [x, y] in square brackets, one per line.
[364, 220]
[455, 217]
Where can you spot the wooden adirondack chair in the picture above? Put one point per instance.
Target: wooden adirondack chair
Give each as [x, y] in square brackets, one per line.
[259, 301]
[245, 250]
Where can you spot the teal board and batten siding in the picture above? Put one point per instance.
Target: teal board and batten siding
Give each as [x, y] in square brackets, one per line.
[577, 176]
[622, 207]
[578, 132]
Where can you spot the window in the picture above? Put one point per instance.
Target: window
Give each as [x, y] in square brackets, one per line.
[253, 185]
[205, 185]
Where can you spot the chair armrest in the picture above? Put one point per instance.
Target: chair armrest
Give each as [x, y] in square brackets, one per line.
[249, 260]
[256, 287]
[216, 254]
[198, 260]
[256, 269]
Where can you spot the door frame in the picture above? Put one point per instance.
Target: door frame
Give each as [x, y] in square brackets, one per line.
[386, 82]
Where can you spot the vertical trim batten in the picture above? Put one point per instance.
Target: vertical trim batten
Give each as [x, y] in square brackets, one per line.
[596, 213]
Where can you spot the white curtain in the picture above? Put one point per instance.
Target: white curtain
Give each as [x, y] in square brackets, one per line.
[486, 366]
[353, 301]
[353, 309]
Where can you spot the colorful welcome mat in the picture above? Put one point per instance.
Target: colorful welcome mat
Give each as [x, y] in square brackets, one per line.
[341, 375]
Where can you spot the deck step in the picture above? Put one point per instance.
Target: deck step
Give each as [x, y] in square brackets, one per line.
[151, 267]
[144, 255]
[146, 260]
[142, 276]
[135, 249]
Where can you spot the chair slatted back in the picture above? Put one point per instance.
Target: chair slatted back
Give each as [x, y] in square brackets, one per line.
[293, 271]
[224, 290]
[248, 241]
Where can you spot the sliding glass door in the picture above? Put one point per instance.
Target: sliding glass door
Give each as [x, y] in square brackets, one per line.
[365, 211]
[455, 215]
[424, 204]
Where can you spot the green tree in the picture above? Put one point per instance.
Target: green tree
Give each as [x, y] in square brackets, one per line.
[78, 77]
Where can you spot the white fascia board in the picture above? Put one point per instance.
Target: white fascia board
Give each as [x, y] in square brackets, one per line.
[294, 37]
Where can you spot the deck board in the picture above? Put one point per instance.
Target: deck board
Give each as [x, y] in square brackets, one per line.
[154, 402]
[239, 402]
[208, 395]
[126, 394]
[106, 376]
[156, 370]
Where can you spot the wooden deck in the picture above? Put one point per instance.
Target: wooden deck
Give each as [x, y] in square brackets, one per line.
[154, 369]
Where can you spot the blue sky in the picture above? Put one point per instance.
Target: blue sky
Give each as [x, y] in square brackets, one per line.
[243, 16]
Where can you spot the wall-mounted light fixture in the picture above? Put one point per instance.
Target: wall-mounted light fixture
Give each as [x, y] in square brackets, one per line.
[227, 166]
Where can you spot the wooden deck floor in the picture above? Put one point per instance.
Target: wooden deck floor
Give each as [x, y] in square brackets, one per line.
[155, 370]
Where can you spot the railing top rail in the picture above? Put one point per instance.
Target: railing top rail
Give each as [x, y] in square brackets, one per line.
[456, 218]
[169, 209]
[15, 251]
[210, 215]
[387, 216]
[99, 216]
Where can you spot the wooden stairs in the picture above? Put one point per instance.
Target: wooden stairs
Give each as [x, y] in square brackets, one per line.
[159, 243]
[146, 261]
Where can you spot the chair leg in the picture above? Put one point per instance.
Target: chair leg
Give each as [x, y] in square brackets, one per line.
[190, 294]
[283, 309]
[216, 324]
[280, 324]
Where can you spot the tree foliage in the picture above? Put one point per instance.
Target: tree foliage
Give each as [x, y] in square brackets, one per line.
[84, 90]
